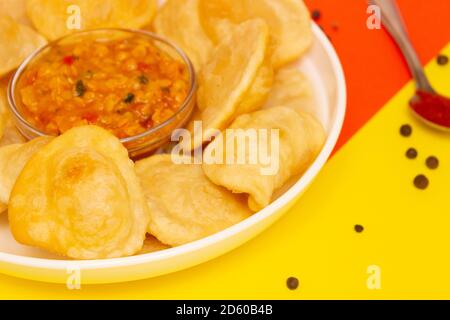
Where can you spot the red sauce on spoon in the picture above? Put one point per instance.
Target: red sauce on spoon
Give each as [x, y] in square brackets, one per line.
[432, 107]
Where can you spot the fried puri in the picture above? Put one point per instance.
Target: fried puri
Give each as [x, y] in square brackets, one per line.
[184, 205]
[79, 197]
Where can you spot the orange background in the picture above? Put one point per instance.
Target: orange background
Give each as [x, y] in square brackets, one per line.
[372, 63]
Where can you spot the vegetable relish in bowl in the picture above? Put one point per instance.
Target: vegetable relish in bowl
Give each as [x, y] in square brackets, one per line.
[128, 82]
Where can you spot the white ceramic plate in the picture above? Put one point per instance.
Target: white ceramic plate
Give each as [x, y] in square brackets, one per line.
[321, 65]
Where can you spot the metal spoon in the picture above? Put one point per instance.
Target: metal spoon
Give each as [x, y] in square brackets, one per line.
[427, 104]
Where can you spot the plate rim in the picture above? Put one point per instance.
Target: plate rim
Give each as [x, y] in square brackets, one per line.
[271, 209]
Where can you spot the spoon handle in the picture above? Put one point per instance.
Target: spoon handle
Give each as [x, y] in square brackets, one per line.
[392, 20]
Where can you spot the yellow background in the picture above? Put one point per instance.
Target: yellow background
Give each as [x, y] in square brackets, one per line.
[368, 182]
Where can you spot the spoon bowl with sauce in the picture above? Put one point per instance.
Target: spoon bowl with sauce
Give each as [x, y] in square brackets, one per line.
[428, 105]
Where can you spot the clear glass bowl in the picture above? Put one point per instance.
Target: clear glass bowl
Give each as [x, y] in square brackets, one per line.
[137, 145]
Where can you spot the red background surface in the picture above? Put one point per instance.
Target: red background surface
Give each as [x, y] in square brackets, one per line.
[372, 63]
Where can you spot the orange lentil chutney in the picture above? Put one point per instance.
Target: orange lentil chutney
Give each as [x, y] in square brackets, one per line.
[126, 85]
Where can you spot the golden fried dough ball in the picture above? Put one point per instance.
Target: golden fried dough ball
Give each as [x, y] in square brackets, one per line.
[184, 205]
[241, 166]
[79, 197]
